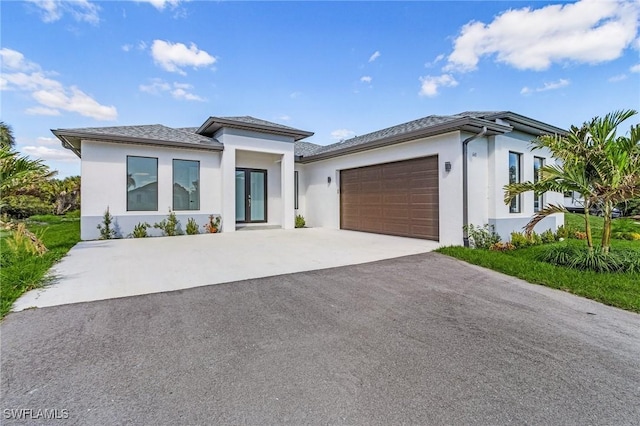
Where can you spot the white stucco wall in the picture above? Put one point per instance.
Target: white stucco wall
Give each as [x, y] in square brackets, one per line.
[274, 153]
[104, 184]
[488, 173]
[498, 214]
[322, 199]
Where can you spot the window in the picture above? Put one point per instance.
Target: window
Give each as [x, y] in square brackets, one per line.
[186, 185]
[538, 202]
[142, 184]
[295, 190]
[514, 177]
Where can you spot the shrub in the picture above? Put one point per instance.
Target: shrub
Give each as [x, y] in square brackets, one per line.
[583, 259]
[192, 227]
[107, 232]
[300, 222]
[519, 240]
[213, 226]
[534, 239]
[23, 242]
[580, 235]
[23, 206]
[548, 237]
[562, 232]
[502, 247]
[631, 236]
[140, 230]
[169, 226]
[482, 236]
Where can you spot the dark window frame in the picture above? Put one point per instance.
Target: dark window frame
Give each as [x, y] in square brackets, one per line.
[247, 186]
[295, 190]
[157, 181]
[538, 161]
[173, 180]
[516, 203]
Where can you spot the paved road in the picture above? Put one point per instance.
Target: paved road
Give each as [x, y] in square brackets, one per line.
[422, 339]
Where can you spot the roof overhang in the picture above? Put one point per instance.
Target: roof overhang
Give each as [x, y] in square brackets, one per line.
[526, 124]
[465, 124]
[72, 140]
[213, 124]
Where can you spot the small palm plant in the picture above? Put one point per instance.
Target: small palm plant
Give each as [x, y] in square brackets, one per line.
[596, 163]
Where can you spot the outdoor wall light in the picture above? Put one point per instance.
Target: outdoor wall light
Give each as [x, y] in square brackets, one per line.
[328, 179]
[447, 166]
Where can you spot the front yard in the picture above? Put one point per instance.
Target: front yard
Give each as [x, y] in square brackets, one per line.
[616, 289]
[21, 271]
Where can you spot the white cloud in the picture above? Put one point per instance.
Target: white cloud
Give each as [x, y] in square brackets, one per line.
[39, 110]
[437, 59]
[19, 74]
[51, 154]
[173, 56]
[180, 91]
[156, 86]
[15, 61]
[617, 78]
[75, 100]
[342, 134]
[284, 117]
[161, 4]
[79, 10]
[635, 68]
[588, 31]
[366, 79]
[431, 84]
[295, 95]
[47, 141]
[183, 94]
[127, 47]
[375, 56]
[553, 85]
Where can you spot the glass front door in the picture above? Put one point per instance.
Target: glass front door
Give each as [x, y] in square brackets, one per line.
[251, 195]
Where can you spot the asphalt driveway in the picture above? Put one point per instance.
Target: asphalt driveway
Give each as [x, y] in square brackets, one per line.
[423, 339]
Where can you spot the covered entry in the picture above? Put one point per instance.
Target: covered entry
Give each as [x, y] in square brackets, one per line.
[399, 198]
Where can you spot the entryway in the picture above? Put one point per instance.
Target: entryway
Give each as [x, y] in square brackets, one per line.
[251, 196]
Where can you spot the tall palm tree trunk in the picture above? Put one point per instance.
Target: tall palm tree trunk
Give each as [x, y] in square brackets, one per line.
[587, 227]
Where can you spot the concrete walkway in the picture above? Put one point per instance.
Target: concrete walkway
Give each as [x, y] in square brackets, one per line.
[99, 270]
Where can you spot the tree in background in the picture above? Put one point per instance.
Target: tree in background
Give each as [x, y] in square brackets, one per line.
[6, 136]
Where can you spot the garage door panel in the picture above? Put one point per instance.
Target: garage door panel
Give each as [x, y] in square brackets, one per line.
[399, 198]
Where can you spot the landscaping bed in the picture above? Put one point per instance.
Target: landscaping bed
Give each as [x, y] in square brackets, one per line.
[620, 289]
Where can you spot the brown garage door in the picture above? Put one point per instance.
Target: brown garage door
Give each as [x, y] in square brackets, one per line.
[399, 198]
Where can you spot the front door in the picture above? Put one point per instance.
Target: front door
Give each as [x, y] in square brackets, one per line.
[251, 195]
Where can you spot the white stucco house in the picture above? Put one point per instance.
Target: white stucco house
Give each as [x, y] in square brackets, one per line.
[425, 178]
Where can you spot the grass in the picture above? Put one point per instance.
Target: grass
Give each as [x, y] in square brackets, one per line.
[621, 290]
[21, 272]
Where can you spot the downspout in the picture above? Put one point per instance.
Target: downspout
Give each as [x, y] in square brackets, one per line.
[465, 190]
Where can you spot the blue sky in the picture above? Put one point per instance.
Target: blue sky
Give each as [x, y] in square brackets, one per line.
[338, 69]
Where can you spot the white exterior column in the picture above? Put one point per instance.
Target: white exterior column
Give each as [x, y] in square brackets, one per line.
[228, 165]
[287, 189]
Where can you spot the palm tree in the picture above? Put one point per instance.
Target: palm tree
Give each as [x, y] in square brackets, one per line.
[6, 136]
[602, 167]
[18, 171]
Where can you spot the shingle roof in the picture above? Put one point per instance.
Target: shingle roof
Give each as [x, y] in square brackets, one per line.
[154, 132]
[247, 119]
[400, 129]
[213, 124]
[305, 148]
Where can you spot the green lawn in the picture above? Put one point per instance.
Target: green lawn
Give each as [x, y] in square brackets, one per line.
[22, 272]
[616, 289]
